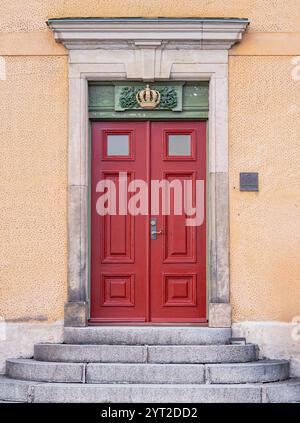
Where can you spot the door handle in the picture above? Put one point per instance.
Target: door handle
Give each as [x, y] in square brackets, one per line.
[157, 232]
[153, 231]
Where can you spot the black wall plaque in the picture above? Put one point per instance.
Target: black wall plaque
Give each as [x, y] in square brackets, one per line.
[248, 181]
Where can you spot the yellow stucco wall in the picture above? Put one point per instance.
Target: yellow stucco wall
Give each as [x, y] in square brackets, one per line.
[264, 128]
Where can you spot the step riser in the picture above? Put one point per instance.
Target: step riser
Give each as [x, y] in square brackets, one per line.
[98, 373]
[281, 393]
[195, 354]
[188, 374]
[46, 372]
[147, 373]
[146, 394]
[11, 390]
[142, 354]
[147, 335]
[247, 374]
[20, 391]
[90, 353]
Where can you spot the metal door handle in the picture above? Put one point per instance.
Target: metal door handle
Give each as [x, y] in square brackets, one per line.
[157, 232]
[153, 231]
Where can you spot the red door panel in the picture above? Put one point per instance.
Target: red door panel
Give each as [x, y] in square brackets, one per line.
[134, 278]
[178, 267]
[119, 243]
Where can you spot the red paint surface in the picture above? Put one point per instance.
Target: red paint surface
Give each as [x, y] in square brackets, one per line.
[133, 278]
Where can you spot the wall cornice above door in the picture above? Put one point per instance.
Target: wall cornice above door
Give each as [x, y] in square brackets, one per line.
[152, 33]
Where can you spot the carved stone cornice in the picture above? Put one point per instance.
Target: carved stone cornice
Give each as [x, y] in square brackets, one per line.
[158, 33]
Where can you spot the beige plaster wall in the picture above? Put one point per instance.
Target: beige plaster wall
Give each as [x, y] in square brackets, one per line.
[33, 200]
[264, 105]
[264, 127]
[266, 15]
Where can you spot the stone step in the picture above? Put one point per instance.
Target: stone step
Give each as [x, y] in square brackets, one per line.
[145, 373]
[283, 392]
[150, 335]
[146, 393]
[202, 353]
[42, 371]
[14, 390]
[90, 353]
[142, 354]
[20, 391]
[256, 372]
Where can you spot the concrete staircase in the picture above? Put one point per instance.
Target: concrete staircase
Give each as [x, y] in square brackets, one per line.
[147, 364]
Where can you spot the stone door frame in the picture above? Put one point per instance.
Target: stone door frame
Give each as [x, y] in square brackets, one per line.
[159, 49]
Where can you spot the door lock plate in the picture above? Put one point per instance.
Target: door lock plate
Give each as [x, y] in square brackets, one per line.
[153, 228]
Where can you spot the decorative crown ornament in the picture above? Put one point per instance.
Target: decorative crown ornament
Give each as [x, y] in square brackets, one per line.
[147, 98]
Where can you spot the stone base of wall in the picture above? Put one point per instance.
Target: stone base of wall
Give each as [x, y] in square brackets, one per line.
[276, 340]
[18, 339]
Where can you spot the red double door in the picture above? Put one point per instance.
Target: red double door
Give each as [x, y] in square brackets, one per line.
[147, 263]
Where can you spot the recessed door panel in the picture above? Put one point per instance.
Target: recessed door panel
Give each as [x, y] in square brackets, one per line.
[179, 241]
[117, 232]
